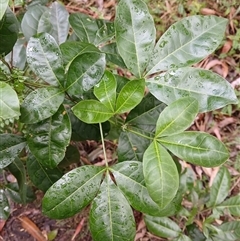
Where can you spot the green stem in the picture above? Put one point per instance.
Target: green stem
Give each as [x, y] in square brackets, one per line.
[103, 145]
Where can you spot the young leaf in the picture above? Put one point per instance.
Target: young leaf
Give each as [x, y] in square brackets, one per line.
[45, 59]
[135, 34]
[130, 95]
[3, 7]
[42, 177]
[92, 111]
[187, 42]
[197, 147]
[72, 192]
[177, 117]
[162, 227]
[111, 217]
[10, 146]
[84, 72]
[220, 187]
[160, 174]
[9, 102]
[47, 140]
[4, 206]
[210, 89]
[40, 104]
[232, 205]
[105, 91]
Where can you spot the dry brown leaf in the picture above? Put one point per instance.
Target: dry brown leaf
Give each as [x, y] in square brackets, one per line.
[2, 223]
[207, 11]
[227, 46]
[32, 228]
[78, 229]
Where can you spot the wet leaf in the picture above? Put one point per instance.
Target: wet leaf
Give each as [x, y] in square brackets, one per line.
[42, 177]
[210, 89]
[4, 206]
[187, 42]
[48, 139]
[3, 8]
[9, 102]
[45, 59]
[135, 34]
[111, 217]
[160, 174]
[72, 192]
[197, 147]
[177, 117]
[105, 32]
[40, 104]
[10, 146]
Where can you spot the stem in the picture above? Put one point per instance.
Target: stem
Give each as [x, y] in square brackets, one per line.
[6, 63]
[103, 145]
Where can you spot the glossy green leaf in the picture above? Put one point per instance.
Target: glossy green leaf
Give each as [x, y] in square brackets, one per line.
[177, 117]
[105, 91]
[220, 187]
[18, 170]
[111, 217]
[59, 20]
[130, 95]
[45, 59]
[3, 7]
[72, 192]
[197, 147]
[85, 71]
[194, 232]
[48, 139]
[144, 116]
[130, 180]
[40, 104]
[105, 32]
[162, 227]
[232, 205]
[135, 34]
[4, 206]
[9, 29]
[92, 111]
[112, 54]
[72, 155]
[10, 146]
[9, 102]
[31, 23]
[42, 177]
[131, 146]
[210, 89]
[187, 42]
[160, 174]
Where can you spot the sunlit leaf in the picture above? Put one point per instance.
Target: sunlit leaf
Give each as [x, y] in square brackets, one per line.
[111, 217]
[197, 147]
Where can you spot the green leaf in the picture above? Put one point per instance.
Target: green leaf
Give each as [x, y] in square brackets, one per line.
[8, 32]
[130, 180]
[232, 227]
[130, 95]
[232, 205]
[220, 187]
[187, 42]
[4, 206]
[40, 104]
[160, 173]
[18, 170]
[210, 89]
[3, 7]
[131, 145]
[111, 217]
[197, 147]
[84, 72]
[182, 237]
[194, 233]
[144, 116]
[72, 192]
[105, 91]
[31, 22]
[42, 177]
[9, 102]
[92, 111]
[177, 117]
[162, 227]
[135, 34]
[105, 33]
[10, 146]
[48, 139]
[45, 59]
[59, 20]
[72, 155]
